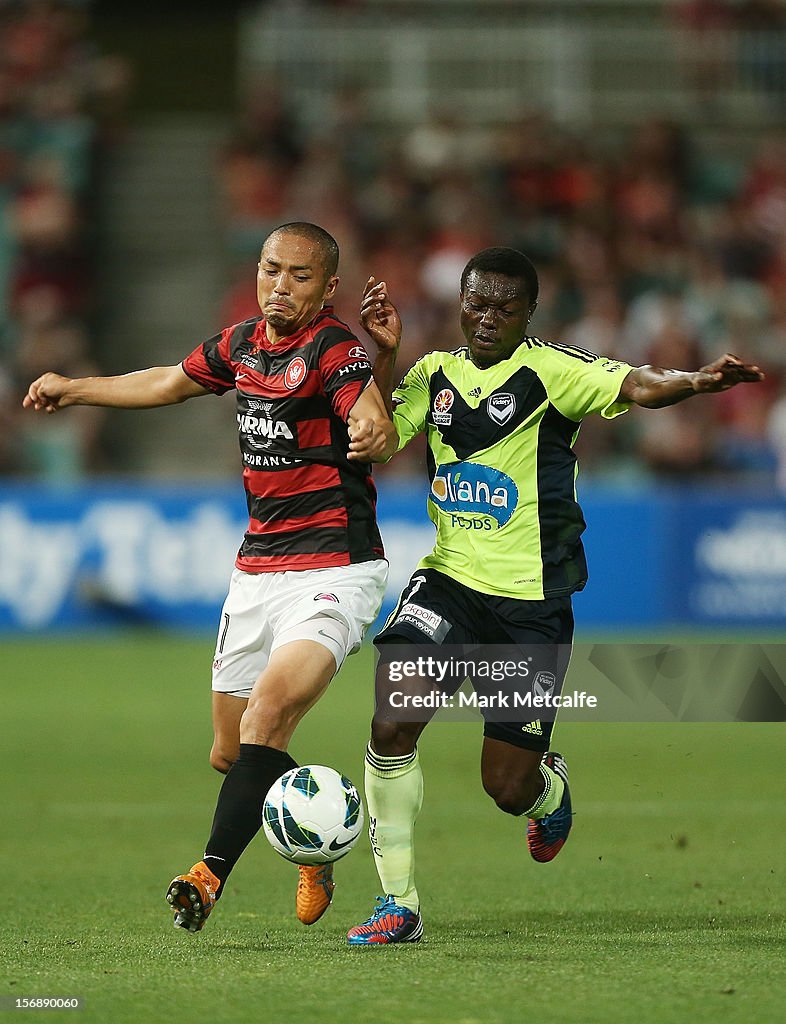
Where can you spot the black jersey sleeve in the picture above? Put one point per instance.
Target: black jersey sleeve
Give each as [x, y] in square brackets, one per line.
[344, 366]
[210, 364]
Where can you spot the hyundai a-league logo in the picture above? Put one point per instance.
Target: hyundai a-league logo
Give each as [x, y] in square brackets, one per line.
[443, 403]
[444, 400]
[295, 373]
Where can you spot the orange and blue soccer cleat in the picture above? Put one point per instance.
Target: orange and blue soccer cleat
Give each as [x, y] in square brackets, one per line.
[192, 896]
[389, 923]
[314, 891]
[546, 836]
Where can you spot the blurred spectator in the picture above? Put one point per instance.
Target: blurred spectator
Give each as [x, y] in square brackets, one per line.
[762, 35]
[678, 445]
[705, 47]
[433, 148]
[54, 95]
[599, 328]
[52, 449]
[763, 195]
[254, 189]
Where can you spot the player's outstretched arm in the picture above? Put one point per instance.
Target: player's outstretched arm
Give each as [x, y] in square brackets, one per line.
[142, 389]
[372, 436]
[654, 387]
[382, 323]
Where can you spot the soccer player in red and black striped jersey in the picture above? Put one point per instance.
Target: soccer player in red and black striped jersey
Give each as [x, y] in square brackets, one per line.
[311, 573]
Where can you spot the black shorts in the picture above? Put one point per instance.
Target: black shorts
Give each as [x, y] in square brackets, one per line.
[436, 610]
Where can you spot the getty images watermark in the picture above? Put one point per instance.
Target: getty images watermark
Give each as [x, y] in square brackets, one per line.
[504, 683]
[500, 685]
[611, 682]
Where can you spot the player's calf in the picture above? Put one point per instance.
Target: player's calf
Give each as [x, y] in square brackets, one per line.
[514, 796]
[511, 775]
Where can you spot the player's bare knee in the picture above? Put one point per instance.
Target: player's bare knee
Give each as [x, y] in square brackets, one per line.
[269, 722]
[260, 716]
[393, 739]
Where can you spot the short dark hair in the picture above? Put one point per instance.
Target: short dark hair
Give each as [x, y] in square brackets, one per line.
[327, 244]
[505, 261]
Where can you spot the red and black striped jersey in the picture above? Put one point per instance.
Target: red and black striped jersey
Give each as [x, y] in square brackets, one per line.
[309, 506]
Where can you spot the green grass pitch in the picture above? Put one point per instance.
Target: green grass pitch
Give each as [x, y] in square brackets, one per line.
[666, 906]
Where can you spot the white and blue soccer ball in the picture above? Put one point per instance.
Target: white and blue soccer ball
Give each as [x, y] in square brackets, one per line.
[313, 815]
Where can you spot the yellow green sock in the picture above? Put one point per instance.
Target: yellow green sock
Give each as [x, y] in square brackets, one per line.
[394, 794]
[551, 797]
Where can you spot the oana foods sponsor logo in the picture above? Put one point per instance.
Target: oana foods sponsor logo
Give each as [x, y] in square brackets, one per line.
[471, 489]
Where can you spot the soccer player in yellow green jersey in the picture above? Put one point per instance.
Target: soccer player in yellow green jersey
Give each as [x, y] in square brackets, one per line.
[500, 415]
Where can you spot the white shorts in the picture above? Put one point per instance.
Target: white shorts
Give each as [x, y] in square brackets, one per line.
[264, 611]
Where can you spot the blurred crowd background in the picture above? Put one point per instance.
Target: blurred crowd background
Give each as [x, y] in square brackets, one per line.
[654, 241]
[61, 103]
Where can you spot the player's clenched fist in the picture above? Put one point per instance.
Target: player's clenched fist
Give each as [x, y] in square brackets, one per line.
[367, 440]
[48, 393]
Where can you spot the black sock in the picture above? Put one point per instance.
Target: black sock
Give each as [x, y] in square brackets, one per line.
[238, 815]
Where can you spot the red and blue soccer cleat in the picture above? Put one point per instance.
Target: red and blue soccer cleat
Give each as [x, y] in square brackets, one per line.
[389, 923]
[546, 836]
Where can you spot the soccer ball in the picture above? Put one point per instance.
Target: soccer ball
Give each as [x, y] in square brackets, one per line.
[312, 815]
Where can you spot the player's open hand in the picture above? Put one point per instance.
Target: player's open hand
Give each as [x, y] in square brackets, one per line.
[724, 373]
[379, 316]
[367, 440]
[47, 394]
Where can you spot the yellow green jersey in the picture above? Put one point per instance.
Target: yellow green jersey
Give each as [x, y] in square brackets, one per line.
[501, 461]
